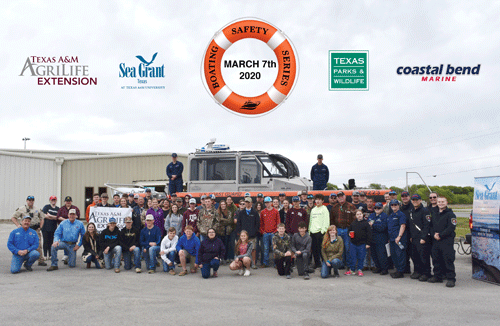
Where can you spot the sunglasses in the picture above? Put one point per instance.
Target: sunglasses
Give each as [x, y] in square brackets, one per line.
[432, 197]
[31, 198]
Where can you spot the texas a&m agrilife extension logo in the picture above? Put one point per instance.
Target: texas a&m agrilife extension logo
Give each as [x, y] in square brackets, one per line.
[435, 73]
[144, 73]
[63, 70]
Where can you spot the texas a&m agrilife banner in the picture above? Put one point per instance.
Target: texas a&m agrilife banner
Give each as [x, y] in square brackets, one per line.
[101, 215]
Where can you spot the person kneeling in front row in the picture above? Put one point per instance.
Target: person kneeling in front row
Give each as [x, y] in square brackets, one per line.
[301, 246]
[23, 243]
[150, 240]
[332, 249]
[65, 238]
[187, 247]
[282, 251]
[110, 243]
[91, 248]
[131, 245]
[210, 253]
[243, 255]
[167, 250]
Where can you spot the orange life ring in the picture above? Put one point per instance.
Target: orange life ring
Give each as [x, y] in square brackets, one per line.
[287, 65]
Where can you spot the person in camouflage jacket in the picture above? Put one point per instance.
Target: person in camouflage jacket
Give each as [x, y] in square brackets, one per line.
[207, 219]
[282, 251]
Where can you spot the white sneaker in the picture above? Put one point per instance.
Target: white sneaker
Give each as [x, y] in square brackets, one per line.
[240, 273]
[247, 273]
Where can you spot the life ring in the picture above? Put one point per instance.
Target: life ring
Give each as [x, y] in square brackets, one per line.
[287, 67]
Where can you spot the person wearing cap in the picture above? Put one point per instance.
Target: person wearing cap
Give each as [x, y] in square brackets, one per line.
[356, 201]
[310, 204]
[179, 202]
[393, 195]
[303, 198]
[23, 242]
[319, 221]
[420, 240]
[207, 219]
[130, 241]
[406, 208]
[260, 199]
[104, 201]
[269, 220]
[320, 174]
[68, 237]
[332, 200]
[130, 200]
[380, 237]
[396, 225]
[362, 197]
[191, 216]
[49, 225]
[95, 201]
[63, 212]
[442, 230]
[249, 220]
[282, 198]
[342, 215]
[150, 243]
[36, 222]
[174, 173]
[294, 216]
[109, 242]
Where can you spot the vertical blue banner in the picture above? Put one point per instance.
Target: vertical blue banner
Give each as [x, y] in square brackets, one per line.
[485, 230]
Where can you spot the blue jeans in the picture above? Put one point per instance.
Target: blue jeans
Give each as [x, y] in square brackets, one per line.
[117, 253]
[358, 254]
[68, 251]
[171, 257]
[344, 234]
[327, 270]
[150, 257]
[17, 261]
[91, 259]
[127, 258]
[267, 243]
[205, 270]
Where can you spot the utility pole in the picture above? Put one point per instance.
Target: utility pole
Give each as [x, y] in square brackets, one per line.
[25, 139]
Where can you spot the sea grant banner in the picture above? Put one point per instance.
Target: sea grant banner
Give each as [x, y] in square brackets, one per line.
[485, 232]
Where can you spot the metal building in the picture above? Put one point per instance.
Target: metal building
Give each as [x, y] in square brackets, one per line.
[76, 174]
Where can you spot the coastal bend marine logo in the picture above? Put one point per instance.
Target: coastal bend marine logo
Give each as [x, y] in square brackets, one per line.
[435, 73]
[287, 64]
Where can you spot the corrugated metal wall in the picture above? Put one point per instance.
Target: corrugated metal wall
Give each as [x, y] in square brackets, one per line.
[95, 172]
[24, 176]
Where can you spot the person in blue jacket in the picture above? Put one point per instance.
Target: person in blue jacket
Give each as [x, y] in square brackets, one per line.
[174, 173]
[319, 174]
[23, 243]
[378, 222]
[150, 243]
[396, 225]
[187, 247]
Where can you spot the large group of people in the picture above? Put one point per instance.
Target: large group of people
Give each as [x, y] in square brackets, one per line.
[304, 234]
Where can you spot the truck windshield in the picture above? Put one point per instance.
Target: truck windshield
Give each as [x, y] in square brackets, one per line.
[273, 167]
[213, 169]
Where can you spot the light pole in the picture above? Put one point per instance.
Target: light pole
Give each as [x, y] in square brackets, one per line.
[25, 139]
[420, 178]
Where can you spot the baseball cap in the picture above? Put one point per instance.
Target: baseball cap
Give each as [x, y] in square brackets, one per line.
[131, 194]
[340, 193]
[333, 194]
[179, 199]
[203, 196]
[128, 219]
[68, 198]
[362, 193]
[310, 196]
[53, 198]
[259, 195]
[72, 211]
[282, 194]
[212, 196]
[192, 201]
[295, 198]
[136, 196]
[247, 194]
[392, 192]
[174, 154]
[174, 194]
[112, 220]
[394, 202]
[320, 156]
[148, 190]
[30, 198]
[379, 205]
[26, 216]
[248, 199]
[267, 199]
[303, 192]
[355, 193]
[104, 195]
[416, 197]
[405, 194]
[150, 217]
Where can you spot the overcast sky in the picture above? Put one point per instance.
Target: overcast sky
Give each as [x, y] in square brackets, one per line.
[441, 129]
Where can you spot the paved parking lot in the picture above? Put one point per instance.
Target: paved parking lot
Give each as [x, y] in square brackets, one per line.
[82, 296]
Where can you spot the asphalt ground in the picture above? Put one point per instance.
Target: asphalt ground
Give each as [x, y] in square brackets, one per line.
[81, 296]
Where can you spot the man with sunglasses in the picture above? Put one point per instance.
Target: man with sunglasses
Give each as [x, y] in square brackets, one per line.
[433, 206]
[36, 223]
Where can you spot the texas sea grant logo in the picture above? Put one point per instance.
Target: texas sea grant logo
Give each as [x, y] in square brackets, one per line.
[435, 73]
[63, 70]
[143, 72]
[488, 194]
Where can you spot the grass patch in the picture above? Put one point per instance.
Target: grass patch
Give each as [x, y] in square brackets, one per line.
[462, 227]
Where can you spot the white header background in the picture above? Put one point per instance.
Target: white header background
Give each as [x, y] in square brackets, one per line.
[401, 124]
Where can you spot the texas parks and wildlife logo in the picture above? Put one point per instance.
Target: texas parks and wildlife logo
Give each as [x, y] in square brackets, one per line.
[142, 73]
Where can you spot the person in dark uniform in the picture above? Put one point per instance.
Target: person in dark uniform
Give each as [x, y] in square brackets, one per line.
[396, 225]
[319, 174]
[420, 242]
[174, 173]
[442, 227]
[378, 222]
[406, 207]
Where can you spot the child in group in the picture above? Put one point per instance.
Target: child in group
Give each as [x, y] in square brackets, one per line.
[361, 236]
[282, 251]
[243, 255]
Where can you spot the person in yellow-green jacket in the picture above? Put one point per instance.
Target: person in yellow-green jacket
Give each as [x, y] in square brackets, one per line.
[319, 220]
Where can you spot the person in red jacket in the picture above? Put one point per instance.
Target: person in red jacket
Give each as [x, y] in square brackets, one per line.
[269, 220]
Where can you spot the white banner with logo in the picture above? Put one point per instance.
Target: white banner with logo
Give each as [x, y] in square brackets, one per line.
[101, 215]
